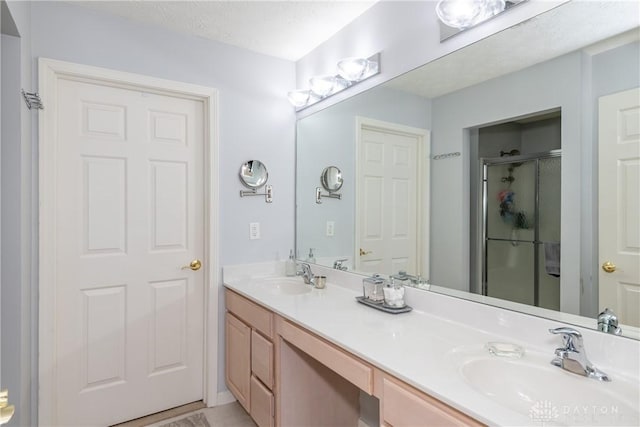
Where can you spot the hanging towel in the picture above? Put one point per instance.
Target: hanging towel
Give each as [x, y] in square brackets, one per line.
[552, 258]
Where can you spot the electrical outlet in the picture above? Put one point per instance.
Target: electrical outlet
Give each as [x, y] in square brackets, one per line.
[331, 228]
[254, 230]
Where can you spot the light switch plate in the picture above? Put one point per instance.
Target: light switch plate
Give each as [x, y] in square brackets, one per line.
[331, 228]
[254, 230]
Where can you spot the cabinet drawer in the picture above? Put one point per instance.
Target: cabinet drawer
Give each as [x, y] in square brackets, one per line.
[404, 406]
[262, 359]
[261, 404]
[256, 316]
[347, 366]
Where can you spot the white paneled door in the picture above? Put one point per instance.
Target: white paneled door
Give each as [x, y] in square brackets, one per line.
[389, 198]
[129, 191]
[619, 205]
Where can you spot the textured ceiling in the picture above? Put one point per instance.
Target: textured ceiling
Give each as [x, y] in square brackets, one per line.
[567, 28]
[284, 29]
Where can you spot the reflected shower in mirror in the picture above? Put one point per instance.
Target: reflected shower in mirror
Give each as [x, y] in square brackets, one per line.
[519, 205]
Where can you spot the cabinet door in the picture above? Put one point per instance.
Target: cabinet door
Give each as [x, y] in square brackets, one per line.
[238, 359]
[261, 404]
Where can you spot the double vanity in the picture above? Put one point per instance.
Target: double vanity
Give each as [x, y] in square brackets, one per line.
[296, 355]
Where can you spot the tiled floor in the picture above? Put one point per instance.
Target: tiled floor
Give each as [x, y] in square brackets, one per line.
[229, 415]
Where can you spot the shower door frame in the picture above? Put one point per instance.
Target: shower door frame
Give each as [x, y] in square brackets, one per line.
[493, 161]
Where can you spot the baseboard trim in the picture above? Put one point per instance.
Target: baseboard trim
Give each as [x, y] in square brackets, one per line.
[225, 397]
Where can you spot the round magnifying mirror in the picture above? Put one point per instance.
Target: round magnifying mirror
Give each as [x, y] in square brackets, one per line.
[253, 174]
[331, 179]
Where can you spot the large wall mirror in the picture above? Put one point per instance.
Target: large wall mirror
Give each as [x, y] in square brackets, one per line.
[479, 172]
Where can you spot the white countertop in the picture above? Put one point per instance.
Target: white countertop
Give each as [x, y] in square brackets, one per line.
[415, 347]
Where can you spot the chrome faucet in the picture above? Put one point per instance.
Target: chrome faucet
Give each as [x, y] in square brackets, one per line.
[608, 322]
[337, 264]
[416, 280]
[572, 356]
[306, 273]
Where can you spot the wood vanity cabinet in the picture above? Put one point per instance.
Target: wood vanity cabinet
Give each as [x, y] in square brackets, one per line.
[238, 358]
[402, 405]
[319, 383]
[249, 357]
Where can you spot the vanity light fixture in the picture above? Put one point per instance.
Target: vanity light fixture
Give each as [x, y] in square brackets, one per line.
[323, 85]
[459, 13]
[349, 72]
[463, 14]
[352, 69]
[299, 98]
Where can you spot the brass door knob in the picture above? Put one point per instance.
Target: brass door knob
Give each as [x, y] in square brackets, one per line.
[193, 265]
[609, 267]
[363, 252]
[6, 410]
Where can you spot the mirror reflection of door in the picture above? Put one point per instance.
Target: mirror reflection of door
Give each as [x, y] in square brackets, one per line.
[390, 192]
[619, 202]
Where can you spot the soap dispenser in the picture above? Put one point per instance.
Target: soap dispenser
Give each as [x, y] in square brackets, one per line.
[290, 265]
[311, 258]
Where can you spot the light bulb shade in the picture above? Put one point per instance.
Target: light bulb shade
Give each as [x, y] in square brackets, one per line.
[459, 13]
[299, 98]
[322, 85]
[352, 69]
[490, 9]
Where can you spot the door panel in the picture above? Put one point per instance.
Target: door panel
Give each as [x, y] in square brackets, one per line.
[619, 202]
[168, 335]
[388, 199]
[104, 339]
[129, 213]
[104, 205]
[168, 205]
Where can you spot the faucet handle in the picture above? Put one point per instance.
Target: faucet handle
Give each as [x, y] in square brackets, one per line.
[337, 264]
[571, 338]
[608, 322]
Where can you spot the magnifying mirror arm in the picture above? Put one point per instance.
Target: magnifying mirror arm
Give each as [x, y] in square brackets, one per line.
[319, 195]
[268, 193]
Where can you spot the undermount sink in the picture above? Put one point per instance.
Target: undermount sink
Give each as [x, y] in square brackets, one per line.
[287, 285]
[547, 394]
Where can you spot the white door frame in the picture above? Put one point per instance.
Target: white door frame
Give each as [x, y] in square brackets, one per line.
[423, 151]
[50, 71]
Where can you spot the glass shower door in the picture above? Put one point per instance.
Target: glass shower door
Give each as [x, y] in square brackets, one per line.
[521, 212]
[510, 201]
[549, 232]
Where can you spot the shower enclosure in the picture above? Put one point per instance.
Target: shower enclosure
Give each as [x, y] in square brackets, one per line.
[521, 228]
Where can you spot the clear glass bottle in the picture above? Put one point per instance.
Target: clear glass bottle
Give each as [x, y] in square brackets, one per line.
[290, 265]
[311, 258]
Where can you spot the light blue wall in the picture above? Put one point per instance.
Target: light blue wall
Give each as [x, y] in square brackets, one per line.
[11, 319]
[19, 327]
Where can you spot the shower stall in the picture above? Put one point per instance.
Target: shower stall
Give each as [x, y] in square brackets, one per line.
[521, 228]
